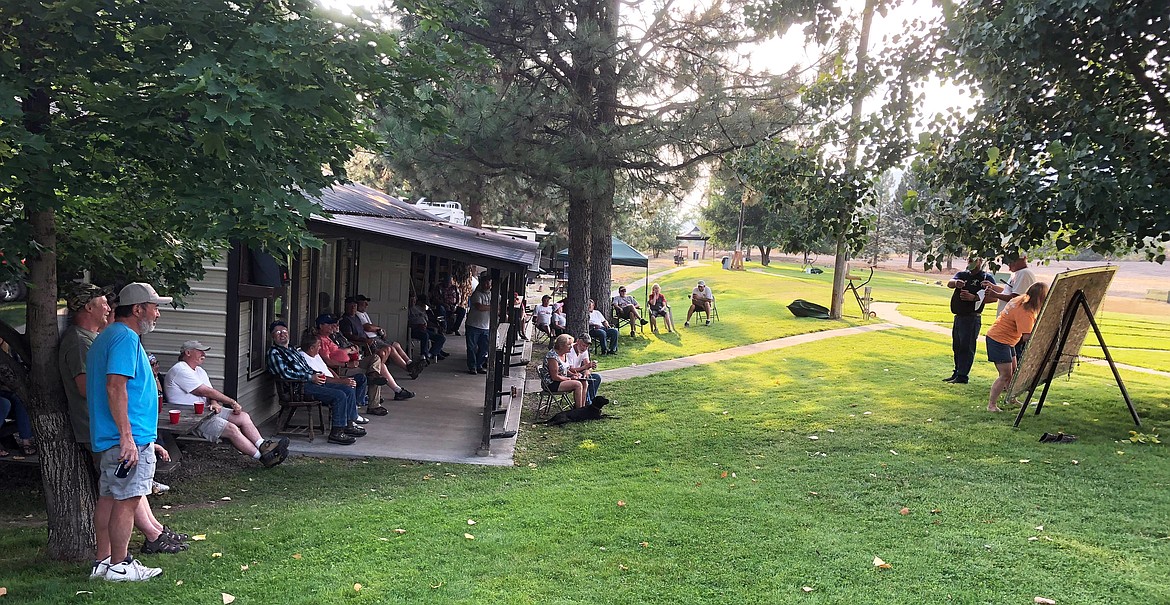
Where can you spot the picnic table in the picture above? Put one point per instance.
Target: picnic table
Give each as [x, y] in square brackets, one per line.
[168, 433]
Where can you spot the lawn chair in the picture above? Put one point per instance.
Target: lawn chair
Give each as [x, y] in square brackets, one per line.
[621, 323]
[545, 401]
[702, 313]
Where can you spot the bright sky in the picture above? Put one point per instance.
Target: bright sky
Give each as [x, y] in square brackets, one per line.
[781, 54]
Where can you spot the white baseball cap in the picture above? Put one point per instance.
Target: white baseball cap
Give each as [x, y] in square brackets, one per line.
[138, 293]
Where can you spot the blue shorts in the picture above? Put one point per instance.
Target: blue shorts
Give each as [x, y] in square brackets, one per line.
[997, 352]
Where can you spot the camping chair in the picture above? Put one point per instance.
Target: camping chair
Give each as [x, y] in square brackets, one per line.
[621, 323]
[291, 394]
[545, 401]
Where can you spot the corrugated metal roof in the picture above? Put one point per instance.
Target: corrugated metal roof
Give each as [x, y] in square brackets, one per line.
[367, 201]
[443, 239]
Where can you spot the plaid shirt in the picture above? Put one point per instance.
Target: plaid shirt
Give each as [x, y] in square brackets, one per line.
[288, 364]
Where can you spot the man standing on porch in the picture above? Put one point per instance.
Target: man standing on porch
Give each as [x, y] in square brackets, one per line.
[479, 321]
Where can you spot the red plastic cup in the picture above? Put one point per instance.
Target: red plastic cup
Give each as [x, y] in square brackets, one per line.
[161, 401]
[174, 416]
[198, 407]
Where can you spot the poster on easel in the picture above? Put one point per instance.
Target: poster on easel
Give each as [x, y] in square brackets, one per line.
[1074, 301]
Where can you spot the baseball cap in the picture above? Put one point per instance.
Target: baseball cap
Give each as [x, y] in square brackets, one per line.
[193, 345]
[349, 300]
[361, 298]
[585, 338]
[138, 293]
[702, 283]
[78, 295]
[326, 318]
[622, 289]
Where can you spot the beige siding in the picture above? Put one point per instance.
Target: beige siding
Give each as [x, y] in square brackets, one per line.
[203, 318]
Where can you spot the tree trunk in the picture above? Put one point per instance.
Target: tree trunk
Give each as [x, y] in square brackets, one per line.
[580, 246]
[473, 193]
[764, 252]
[840, 268]
[601, 252]
[65, 471]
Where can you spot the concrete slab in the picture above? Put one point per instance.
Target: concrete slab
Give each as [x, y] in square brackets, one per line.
[442, 423]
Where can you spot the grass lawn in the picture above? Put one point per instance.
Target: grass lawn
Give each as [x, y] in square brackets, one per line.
[751, 309]
[709, 489]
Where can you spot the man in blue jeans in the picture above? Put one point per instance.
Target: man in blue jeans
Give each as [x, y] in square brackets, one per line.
[288, 364]
[967, 303]
[479, 321]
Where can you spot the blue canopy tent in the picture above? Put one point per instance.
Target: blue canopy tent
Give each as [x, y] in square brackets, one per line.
[622, 254]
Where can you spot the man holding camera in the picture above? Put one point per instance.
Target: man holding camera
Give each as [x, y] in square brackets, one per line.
[967, 303]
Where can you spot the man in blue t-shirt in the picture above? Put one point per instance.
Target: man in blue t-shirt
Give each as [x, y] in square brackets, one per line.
[123, 410]
[967, 303]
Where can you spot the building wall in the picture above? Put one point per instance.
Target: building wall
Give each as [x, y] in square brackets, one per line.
[203, 318]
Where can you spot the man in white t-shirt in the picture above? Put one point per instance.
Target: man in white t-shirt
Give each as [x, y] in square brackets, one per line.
[542, 316]
[581, 366]
[187, 383]
[1022, 278]
[479, 321]
[701, 300]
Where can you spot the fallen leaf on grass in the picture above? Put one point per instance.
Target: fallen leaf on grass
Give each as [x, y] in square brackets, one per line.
[166, 507]
[357, 587]
[1033, 539]
[623, 567]
[227, 598]
[4, 591]
[894, 452]
[1024, 461]
[904, 511]
[935, 511]
[1039, 528]
[469, 536]
[216, 555]
[813, 437]
[644, 544]
[198, 537]
[440, 584]
[297, 556]
[880, 564]
[80, 592]
[621, 503]
[178, 582]
[807, 588]
[399, 531]
[243, 568]
[226, 498]
[471, 522]
[723, 475]
[1043, 601]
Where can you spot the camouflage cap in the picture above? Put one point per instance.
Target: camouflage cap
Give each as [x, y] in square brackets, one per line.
[77, 295]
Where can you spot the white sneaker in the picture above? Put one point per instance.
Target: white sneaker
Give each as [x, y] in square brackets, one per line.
[99, 569]
[131, 571]
[159, 488]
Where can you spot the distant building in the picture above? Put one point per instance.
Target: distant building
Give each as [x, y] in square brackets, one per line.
[689, 236]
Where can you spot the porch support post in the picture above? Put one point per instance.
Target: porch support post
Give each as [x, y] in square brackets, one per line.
[491, 386]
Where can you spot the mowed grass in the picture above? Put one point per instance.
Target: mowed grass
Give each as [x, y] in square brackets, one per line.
[752, 308]
[708, 489]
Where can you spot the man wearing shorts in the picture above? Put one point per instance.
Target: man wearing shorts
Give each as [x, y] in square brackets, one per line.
[123, 410]
[187, 383]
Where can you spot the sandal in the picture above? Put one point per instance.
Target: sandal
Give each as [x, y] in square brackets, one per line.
[27, 447]
[162, 544]
[174, 535]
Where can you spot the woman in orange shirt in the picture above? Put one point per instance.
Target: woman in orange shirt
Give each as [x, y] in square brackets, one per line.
[1012, 326]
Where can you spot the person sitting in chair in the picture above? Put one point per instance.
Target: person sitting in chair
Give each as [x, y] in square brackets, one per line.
[187, 383]
[659, 308]
[600, 329]
[555, 374]
[542, 316]
[702, 299]
[626, 307]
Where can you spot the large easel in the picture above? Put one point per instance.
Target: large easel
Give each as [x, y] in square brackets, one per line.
[1056, 353]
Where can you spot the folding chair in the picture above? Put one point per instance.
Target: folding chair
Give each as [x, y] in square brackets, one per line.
[545, 401]
[621, 323]
[714, 313]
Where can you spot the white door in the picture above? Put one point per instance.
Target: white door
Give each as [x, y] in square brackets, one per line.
[384, 276]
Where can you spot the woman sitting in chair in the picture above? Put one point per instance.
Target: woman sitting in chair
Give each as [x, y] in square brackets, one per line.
[554, 372]
[659, 308]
